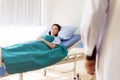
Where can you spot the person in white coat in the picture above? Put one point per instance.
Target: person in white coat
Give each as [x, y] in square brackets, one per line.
[100, 30]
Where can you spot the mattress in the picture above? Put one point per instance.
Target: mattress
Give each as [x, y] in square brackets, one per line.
[69, 42]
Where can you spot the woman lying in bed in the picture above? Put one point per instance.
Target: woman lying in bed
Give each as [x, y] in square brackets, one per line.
[35, 54]
[53, 32]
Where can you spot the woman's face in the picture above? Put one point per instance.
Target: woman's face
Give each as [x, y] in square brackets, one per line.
[54, 30]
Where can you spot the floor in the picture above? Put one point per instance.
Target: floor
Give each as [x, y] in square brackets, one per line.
[58, 72]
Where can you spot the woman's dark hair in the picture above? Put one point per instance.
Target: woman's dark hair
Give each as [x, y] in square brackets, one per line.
[59, 28]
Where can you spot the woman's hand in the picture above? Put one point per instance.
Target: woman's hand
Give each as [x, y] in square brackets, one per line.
[51, 45]
[90, 66]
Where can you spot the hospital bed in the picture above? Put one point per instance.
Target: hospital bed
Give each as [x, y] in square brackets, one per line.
[70, 43]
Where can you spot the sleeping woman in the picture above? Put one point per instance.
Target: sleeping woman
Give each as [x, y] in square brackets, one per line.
[53, 32]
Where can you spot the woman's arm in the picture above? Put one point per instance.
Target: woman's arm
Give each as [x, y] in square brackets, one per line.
[51, 45]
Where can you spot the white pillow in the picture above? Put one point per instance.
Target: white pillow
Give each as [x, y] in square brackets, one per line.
[65, 33]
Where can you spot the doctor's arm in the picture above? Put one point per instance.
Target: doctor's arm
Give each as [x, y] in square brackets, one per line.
[92, 25]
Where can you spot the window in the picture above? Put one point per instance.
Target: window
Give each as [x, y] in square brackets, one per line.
[20, 12]
[20, 20]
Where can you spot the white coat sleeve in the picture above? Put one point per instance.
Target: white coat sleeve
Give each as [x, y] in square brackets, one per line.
[92, 23]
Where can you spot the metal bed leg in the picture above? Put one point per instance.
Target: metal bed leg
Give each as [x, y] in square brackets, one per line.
[45, 72]
[20, 76]
[76, 75]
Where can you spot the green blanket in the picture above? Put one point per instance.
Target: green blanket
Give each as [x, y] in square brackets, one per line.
[30, 56]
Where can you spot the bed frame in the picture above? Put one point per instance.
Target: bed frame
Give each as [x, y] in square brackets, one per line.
[74, 57]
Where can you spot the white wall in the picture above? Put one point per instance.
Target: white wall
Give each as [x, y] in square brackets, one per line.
[64, 12]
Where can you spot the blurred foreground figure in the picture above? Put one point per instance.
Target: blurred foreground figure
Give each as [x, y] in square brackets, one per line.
[100, 29]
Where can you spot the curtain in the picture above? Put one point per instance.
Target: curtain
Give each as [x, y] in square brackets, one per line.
[20, 20]
[20, 12]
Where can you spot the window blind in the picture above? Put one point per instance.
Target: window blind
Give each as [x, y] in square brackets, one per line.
[20, 12]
